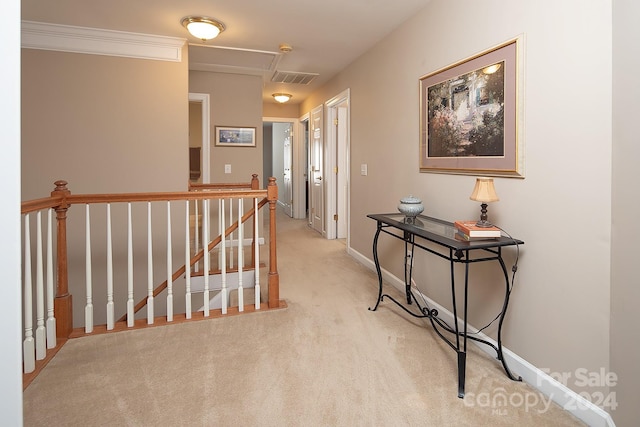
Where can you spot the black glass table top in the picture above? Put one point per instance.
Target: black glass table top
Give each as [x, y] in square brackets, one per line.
[438, 231]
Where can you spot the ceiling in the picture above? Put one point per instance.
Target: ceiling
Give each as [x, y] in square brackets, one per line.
[325, 35]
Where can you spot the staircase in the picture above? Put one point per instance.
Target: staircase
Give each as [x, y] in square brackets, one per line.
[119, 248]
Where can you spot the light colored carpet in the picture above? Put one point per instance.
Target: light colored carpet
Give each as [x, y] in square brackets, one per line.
[324, 361]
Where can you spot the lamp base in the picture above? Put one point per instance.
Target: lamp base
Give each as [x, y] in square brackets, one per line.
[483, 217]
[484, 224]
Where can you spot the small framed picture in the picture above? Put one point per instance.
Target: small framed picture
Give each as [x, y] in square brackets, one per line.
[235, 136]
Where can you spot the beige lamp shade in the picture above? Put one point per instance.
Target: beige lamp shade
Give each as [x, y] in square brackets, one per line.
[484, 191]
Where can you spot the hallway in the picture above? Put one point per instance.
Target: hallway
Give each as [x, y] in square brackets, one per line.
[326, 360]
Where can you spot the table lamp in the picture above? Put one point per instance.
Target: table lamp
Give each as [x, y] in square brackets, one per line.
[484, 192]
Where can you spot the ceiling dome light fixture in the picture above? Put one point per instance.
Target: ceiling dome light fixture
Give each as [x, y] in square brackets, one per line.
[202, 27]
[281, 97]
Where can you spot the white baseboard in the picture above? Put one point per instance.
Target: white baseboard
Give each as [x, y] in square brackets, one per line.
[582, 408]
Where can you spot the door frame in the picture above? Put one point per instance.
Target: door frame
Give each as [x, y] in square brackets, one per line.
[334, 206]
[301, 169]
[203, 98]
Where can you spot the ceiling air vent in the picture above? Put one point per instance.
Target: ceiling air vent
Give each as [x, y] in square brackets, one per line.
[293, 77]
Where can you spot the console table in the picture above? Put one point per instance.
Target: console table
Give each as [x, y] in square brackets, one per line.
[437, 237]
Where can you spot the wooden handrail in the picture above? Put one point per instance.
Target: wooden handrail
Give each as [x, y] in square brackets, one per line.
[160, 197]
[76, 199]
[62, 195]
[39, 204]
[254, 185]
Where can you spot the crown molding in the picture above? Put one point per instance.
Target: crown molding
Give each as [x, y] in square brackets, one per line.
[93, 41]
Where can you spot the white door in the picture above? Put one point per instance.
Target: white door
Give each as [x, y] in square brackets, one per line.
[316, 184]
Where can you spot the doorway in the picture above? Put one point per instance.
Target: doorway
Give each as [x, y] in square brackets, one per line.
[301, 170]
[199, 159]
[278, 140]
[199, 128]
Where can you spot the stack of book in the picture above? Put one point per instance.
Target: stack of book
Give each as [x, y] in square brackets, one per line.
[469, 231]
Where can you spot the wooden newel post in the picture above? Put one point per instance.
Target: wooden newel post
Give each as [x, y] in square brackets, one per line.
[62, 305]
[255, 182]
[274, 278]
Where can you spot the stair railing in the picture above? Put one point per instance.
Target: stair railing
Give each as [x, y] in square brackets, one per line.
[52, 309]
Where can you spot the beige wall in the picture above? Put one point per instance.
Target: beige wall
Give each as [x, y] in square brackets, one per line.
[281, 110]
[625, 292]
[559, 316]
[123, 122]
[236, 100]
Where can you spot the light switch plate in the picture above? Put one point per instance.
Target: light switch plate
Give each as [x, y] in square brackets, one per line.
[227, 168]
[363, 169]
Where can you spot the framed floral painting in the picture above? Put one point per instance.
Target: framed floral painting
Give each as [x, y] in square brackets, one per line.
[470, 115]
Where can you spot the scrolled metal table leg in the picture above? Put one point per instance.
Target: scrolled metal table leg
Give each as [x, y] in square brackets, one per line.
[377, 263]
[408, 266]
[462, 362]
[502, 315]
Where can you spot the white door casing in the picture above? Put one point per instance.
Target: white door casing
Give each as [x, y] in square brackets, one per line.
[337, 163]
[316, 171]
[300, 168]
[343, 170]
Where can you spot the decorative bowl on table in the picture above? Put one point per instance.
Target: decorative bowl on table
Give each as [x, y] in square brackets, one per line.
[411, 207]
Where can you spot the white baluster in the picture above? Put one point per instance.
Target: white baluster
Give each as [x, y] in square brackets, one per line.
[187, 262]
[195, 231]
[88, 308]
[205, 247]
[230, 234]
[130, 306]
[240, 256]
[223, 274]
[51, 320]
[149, 268]
[41, 342]
[256, 252]
[220, 233]
[169, 267]
[241, 225]
[28, 346]
[110, 314]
